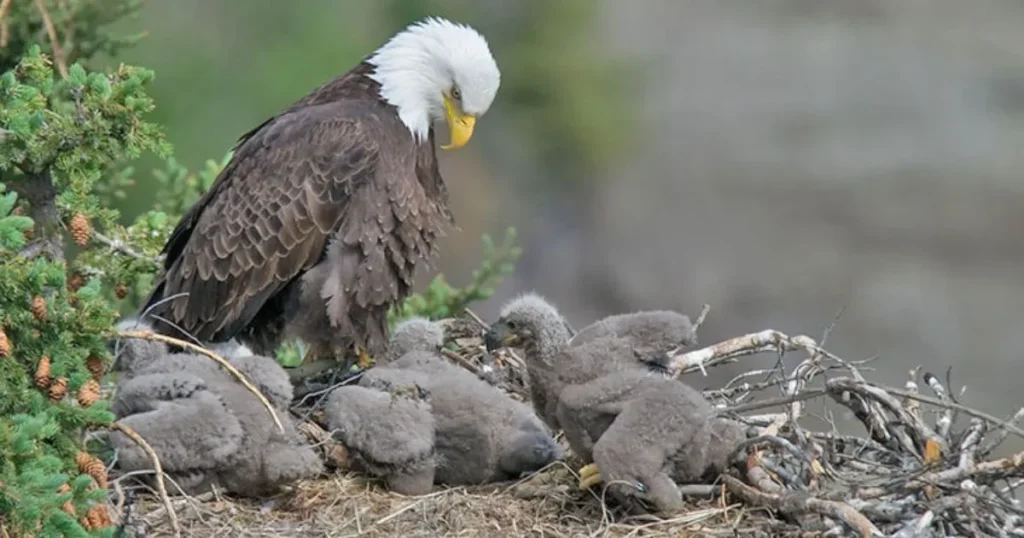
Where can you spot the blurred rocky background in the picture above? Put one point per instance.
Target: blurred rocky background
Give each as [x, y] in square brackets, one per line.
[782, 160]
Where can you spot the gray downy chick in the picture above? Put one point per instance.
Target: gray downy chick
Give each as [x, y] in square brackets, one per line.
[481, 434]
[253, 456]
[389, 434]
[414, 333]
[652, 334]
[661, 432]
[134, 353]
[189, 427]
[535, 325]
[268, 458]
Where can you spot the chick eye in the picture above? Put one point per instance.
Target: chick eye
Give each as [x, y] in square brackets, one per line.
[456, 94]
[512, 325]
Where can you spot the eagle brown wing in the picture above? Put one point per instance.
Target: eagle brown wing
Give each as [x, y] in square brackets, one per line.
[270, 214]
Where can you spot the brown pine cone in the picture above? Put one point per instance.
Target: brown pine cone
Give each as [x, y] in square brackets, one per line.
[5, 344]
[28, 233]
[92, 466]
[58, 389]
[76, 281]
[97, 517]
[80, 231]
[121, 290]
[88, 393]
[18, 211]
[42, 376]
[39, 308]
[95, 366]
[68, 507]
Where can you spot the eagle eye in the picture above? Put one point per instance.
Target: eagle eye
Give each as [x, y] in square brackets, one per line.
[456, 93]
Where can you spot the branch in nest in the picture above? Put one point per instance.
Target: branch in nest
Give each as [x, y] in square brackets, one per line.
[794, 504]
[150, 335]
[159, 470]
[999, 468]
[769, 340]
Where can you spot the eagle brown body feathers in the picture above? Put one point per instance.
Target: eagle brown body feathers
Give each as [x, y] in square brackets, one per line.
[313, 230]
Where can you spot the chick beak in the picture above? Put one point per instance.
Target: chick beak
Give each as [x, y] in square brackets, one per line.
[492, 340]
[460, 124]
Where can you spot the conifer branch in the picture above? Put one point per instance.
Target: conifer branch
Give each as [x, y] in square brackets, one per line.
[150, 335]
[120, 246]
[157, 468]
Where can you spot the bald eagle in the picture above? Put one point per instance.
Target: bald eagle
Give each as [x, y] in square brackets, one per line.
[317, 224]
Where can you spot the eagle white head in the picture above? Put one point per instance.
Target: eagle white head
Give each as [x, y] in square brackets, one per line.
[436, 69]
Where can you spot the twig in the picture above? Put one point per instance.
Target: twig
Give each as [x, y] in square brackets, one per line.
[51, 31]
[150, 335]
[461, 360]
[120, 246]
[158, 468]
[1005, 424]
[999, 467]
[4, 5]
[476, 318]
[794, 504]
[945, 420]
[703, 315]
[681, 361]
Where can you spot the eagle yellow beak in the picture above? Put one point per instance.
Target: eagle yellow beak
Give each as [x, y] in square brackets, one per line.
[459, 124]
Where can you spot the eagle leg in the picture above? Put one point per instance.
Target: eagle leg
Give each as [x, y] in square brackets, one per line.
[590, 476]
[364, 360]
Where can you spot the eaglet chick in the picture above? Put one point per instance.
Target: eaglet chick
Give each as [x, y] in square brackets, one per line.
[389, 433]
[481, 434]
[649, 432]
[206, 426]
[532, 323]
[651, 333]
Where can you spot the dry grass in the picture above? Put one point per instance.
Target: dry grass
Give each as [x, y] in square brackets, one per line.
[547, 504]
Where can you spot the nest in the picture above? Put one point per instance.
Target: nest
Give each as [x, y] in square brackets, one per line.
[924, 466]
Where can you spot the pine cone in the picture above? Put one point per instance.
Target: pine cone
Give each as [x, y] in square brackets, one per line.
[18, 211]
[92, 466]
[39, 308]
[5, 344]
[97, 517]
[121, 290]
[95, 366]
[68, 507]
[28, 233]
[58, 389]
[42, 376]
[76, 281]
[79, 227]
[88, 393]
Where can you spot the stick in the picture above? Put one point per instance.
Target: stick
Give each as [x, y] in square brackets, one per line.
[51, 31]
[1003, 424]
[120, 246]
[150, 335]
[800, 503]
[4, 4]
[750, 344]
[158, 468]
[993, 468]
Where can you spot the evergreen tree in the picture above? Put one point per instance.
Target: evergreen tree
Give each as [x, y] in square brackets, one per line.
[67, 264]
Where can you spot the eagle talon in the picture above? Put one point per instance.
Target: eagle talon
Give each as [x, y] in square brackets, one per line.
[590, 476]
[364, 361]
